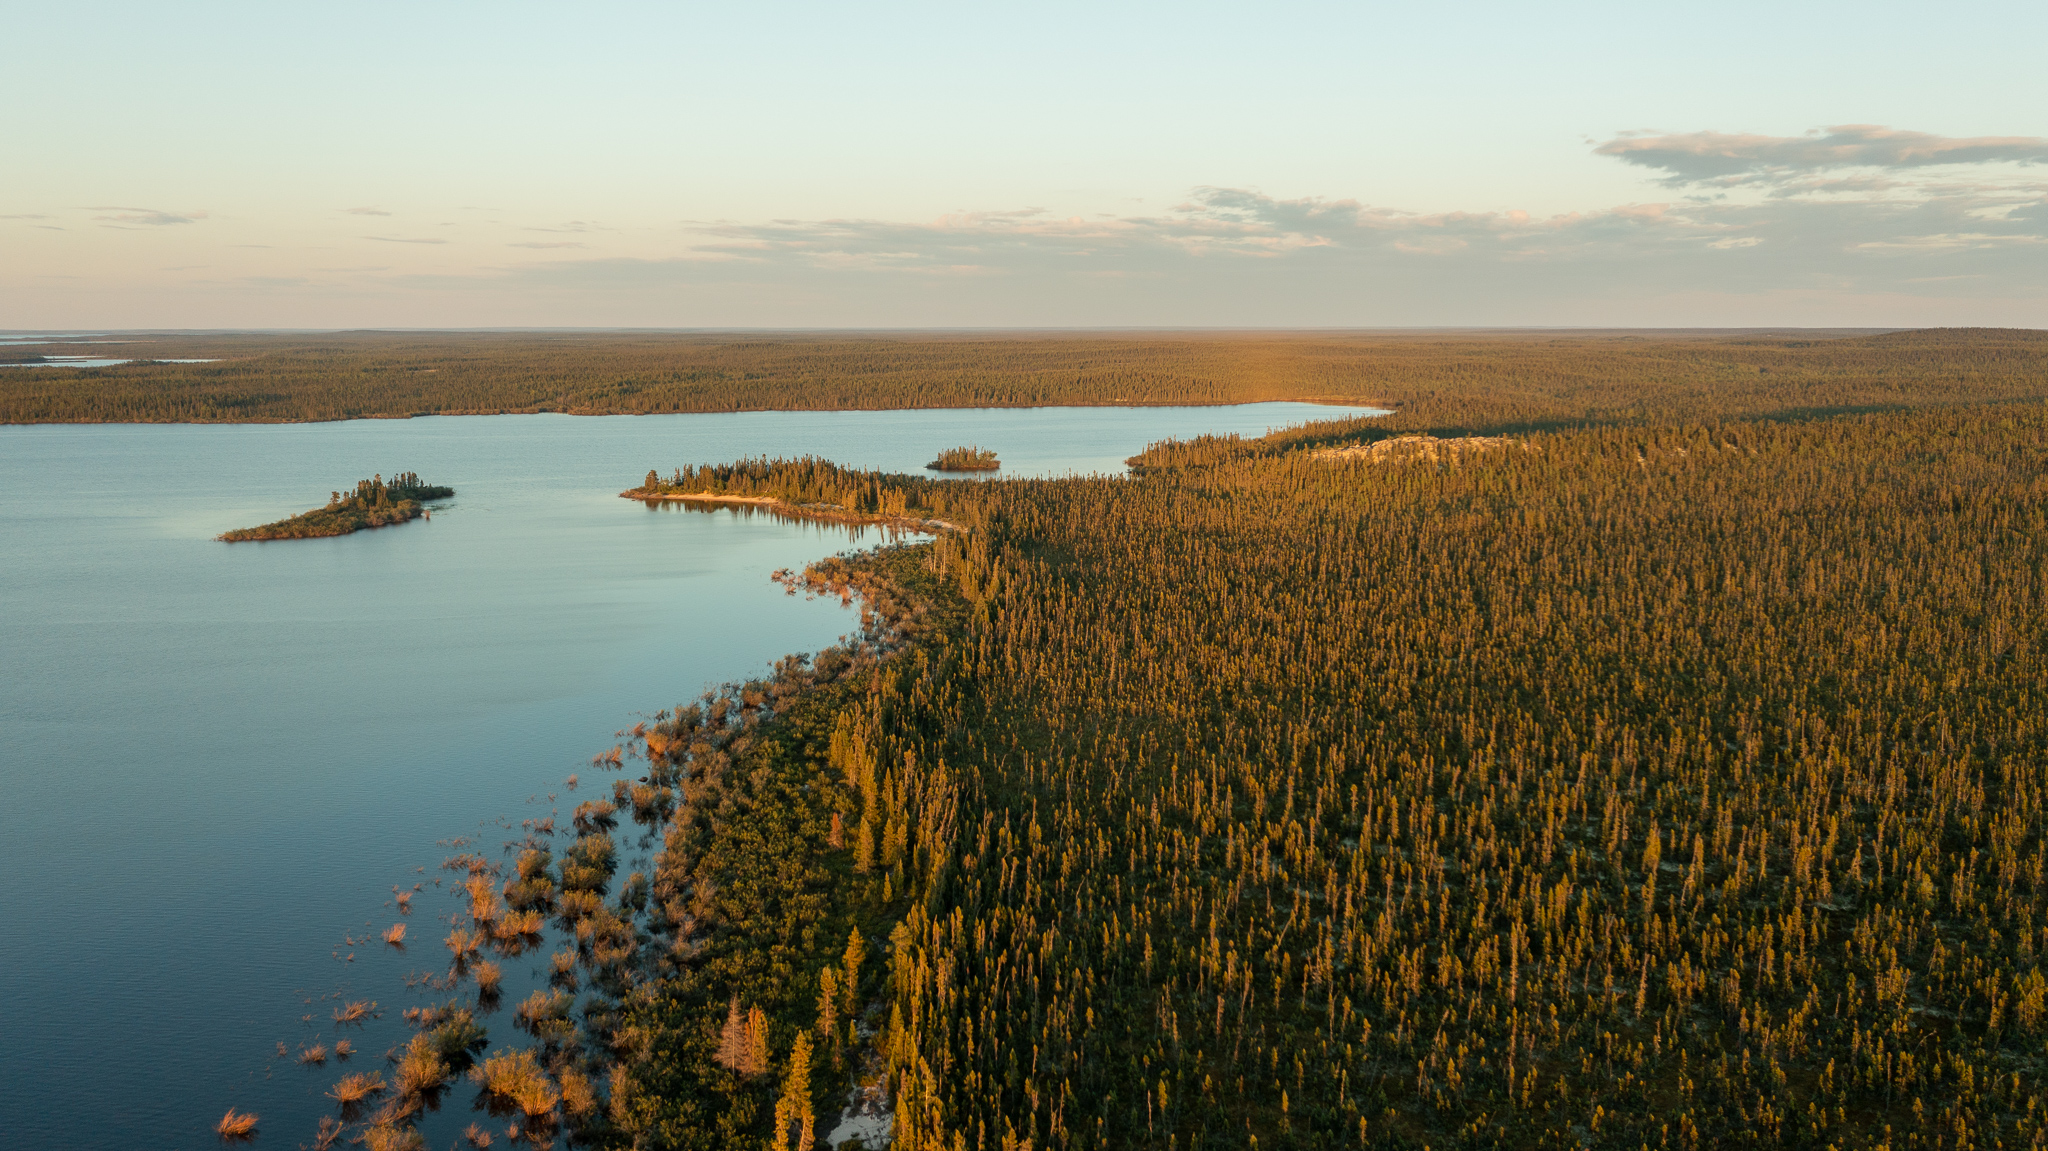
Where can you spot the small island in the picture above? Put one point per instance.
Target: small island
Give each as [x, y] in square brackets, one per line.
[967, 459]
[375, 503]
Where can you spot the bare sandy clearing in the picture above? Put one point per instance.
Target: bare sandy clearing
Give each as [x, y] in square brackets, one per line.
[1405, 449]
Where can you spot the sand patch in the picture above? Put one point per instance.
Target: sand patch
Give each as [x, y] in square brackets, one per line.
[1407, 449]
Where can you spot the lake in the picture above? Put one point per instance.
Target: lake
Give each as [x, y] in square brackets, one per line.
[219, 760]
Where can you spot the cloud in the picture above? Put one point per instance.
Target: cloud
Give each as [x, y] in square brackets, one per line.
[146, 216]
[1237, 255]
[1847, 226]
[24, 217]
[1232, 224]
[366, 211]
[1730, 158]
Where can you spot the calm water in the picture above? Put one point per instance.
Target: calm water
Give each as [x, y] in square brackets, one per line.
[218, 760]
[55, 361]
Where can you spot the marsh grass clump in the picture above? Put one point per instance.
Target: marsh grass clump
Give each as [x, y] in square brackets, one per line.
[353, 1089]
[562, 969]
[422, 1069]
[395, 935]
[580, 905]
[355, 1012]
[516, 1079]
[458, 1038]
[393, 1137]
[463, 943]
[534, 889]
[579, 1097]
[424, 1061]
[430, 1016]
[966, 459]
[484, 906]
[519, 925]
[595, 815]
[237, 1125]
[477, 1137]
[541, 1006]
[489, 977]
[343, 1049]
[313, 1056]
[589, 863]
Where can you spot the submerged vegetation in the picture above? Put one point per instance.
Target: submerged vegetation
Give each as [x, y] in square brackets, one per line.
[1668, 780]
[967, 459]
[373, 504]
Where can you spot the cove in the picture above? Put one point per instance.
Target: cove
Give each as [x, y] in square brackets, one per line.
[219, 760]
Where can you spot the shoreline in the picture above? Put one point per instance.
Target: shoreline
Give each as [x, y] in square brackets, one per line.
[589, 413]
[822, 512]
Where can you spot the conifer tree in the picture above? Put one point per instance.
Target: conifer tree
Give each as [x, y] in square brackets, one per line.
[793, 1118]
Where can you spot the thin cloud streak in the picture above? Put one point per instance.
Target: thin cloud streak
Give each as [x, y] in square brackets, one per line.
[149, 216]
[1727, 158]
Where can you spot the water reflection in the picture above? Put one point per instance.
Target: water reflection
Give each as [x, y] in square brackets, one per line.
[888, 531]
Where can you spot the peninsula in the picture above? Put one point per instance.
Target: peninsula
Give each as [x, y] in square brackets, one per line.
[807, 488]
[374, 504]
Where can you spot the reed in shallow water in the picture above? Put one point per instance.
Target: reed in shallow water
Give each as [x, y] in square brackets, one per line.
[358, 1087]
[237, 1124]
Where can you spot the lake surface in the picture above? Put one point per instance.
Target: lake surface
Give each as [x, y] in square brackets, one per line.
[218, 760]
[52, 361]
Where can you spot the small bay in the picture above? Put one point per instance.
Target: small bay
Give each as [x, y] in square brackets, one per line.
[219, 760]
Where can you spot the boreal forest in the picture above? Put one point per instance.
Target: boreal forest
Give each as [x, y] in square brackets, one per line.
[1625, 744]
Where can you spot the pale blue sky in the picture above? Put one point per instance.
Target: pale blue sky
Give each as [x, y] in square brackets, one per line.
[228, 165]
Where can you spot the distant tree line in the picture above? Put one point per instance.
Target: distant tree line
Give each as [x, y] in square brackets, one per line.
[1440, 381]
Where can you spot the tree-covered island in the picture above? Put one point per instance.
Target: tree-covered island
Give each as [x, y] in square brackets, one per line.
[967, 459]
[375, 503]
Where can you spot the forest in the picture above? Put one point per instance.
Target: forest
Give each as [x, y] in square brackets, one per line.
[1447, 780]
[1466, 379]
[374, 503]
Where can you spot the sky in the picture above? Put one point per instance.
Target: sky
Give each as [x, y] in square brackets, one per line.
[795, 165]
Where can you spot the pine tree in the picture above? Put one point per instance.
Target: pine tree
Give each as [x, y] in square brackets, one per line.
[864, 847]
[849, 987]
[756, 1062]
[828, 1010]
[793, 1118]
[732, 1039]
